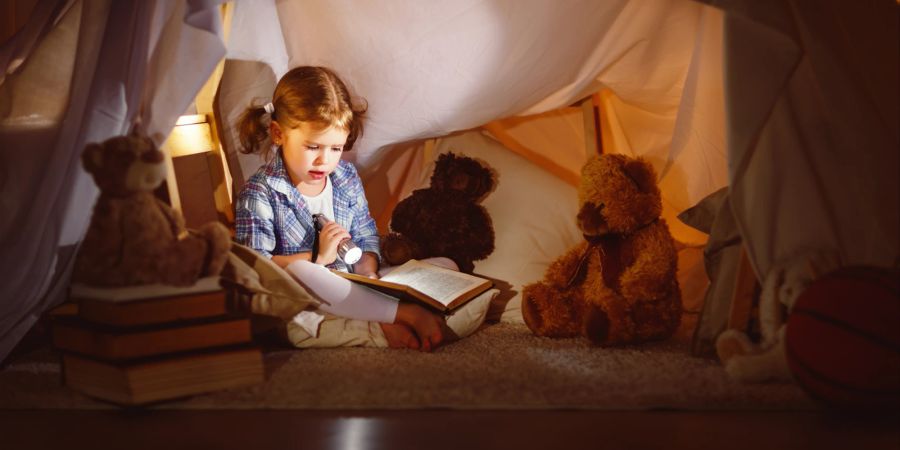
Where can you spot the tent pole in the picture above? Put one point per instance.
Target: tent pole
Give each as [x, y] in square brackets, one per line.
[590, 111]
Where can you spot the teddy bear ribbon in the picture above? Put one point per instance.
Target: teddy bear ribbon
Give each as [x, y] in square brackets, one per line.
[583, 263]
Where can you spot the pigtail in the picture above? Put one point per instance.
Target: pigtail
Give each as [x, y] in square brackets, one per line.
[252, 131]
[355, 127]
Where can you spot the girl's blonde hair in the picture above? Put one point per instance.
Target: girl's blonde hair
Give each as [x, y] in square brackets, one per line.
[305, 94]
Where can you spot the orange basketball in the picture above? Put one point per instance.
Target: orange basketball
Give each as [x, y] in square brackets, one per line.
[843, 338]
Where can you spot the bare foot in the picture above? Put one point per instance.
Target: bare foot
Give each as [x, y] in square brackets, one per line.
[399, 335]
[429, 327]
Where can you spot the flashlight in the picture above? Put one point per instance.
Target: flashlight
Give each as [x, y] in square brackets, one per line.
[346, 249]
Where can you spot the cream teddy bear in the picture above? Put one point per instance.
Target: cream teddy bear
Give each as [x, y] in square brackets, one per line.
[752, 362]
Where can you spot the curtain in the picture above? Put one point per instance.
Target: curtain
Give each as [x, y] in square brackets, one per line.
[813, 129]
[428, 69]
[116, 66]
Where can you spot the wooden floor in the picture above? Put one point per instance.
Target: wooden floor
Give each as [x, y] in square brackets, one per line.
[439, 429]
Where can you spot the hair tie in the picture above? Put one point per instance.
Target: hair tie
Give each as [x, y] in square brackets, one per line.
[269, 107]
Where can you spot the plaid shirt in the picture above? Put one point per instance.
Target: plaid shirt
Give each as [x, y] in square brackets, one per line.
[271, 216]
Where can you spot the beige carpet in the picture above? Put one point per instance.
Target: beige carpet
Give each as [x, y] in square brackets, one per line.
[502, 366]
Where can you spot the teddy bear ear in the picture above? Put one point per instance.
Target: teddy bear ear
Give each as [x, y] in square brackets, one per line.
[444, 162]
[92, 157]
[444, 168]
[642, 174]
[487, 180]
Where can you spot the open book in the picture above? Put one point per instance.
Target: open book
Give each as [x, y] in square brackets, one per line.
[437, 287]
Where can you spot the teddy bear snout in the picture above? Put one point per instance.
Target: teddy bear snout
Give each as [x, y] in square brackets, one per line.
[152, 156]
[459, 182]
[591, 221]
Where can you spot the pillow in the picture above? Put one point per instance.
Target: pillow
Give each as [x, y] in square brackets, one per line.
[532, 212]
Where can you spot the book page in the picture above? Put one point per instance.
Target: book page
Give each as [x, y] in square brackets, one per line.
[439, 283]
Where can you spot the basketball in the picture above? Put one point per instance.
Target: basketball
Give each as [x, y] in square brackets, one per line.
[842, 339]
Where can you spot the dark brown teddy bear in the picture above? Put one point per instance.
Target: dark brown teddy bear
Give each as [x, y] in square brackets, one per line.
[619, 286]
[445, 219]
[134, 238]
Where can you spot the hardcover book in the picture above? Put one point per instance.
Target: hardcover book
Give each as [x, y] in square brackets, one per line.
[157, 379]
[149, 304]
[73, 334]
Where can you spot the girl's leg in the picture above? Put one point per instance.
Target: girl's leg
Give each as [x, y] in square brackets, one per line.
[432, 329]
[351, 300]
[344, 297]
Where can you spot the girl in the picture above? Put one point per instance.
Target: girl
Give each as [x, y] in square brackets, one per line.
[312, 123]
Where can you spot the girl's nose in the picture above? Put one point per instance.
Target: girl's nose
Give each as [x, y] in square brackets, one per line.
[322, 158]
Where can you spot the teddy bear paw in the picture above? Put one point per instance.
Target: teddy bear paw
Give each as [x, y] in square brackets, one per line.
[464, 265]
[548, 313]
[219, 243]
[396, 249]
[596, 326]
[531, 313]
[733, 343]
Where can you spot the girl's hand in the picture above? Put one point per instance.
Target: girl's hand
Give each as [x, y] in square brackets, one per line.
[371, 275]
[367, 266]
[331, 235]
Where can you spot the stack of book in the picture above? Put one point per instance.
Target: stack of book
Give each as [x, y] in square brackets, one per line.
[144, 344]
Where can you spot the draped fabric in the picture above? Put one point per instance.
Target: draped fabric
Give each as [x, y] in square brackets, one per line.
[428, 69]
[80, 72]
[791, 104]
[813, 129]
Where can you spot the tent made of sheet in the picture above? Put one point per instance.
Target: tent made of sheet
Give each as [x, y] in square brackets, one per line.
[791, 105]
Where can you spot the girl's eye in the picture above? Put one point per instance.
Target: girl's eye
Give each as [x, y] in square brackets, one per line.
[312, 147]
[337, 149]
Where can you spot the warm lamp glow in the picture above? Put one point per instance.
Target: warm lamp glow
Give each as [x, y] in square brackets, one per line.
[191, 135]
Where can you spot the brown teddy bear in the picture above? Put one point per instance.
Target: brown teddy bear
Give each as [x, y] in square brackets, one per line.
[445, 219]
[619, 286]
[134, 238]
